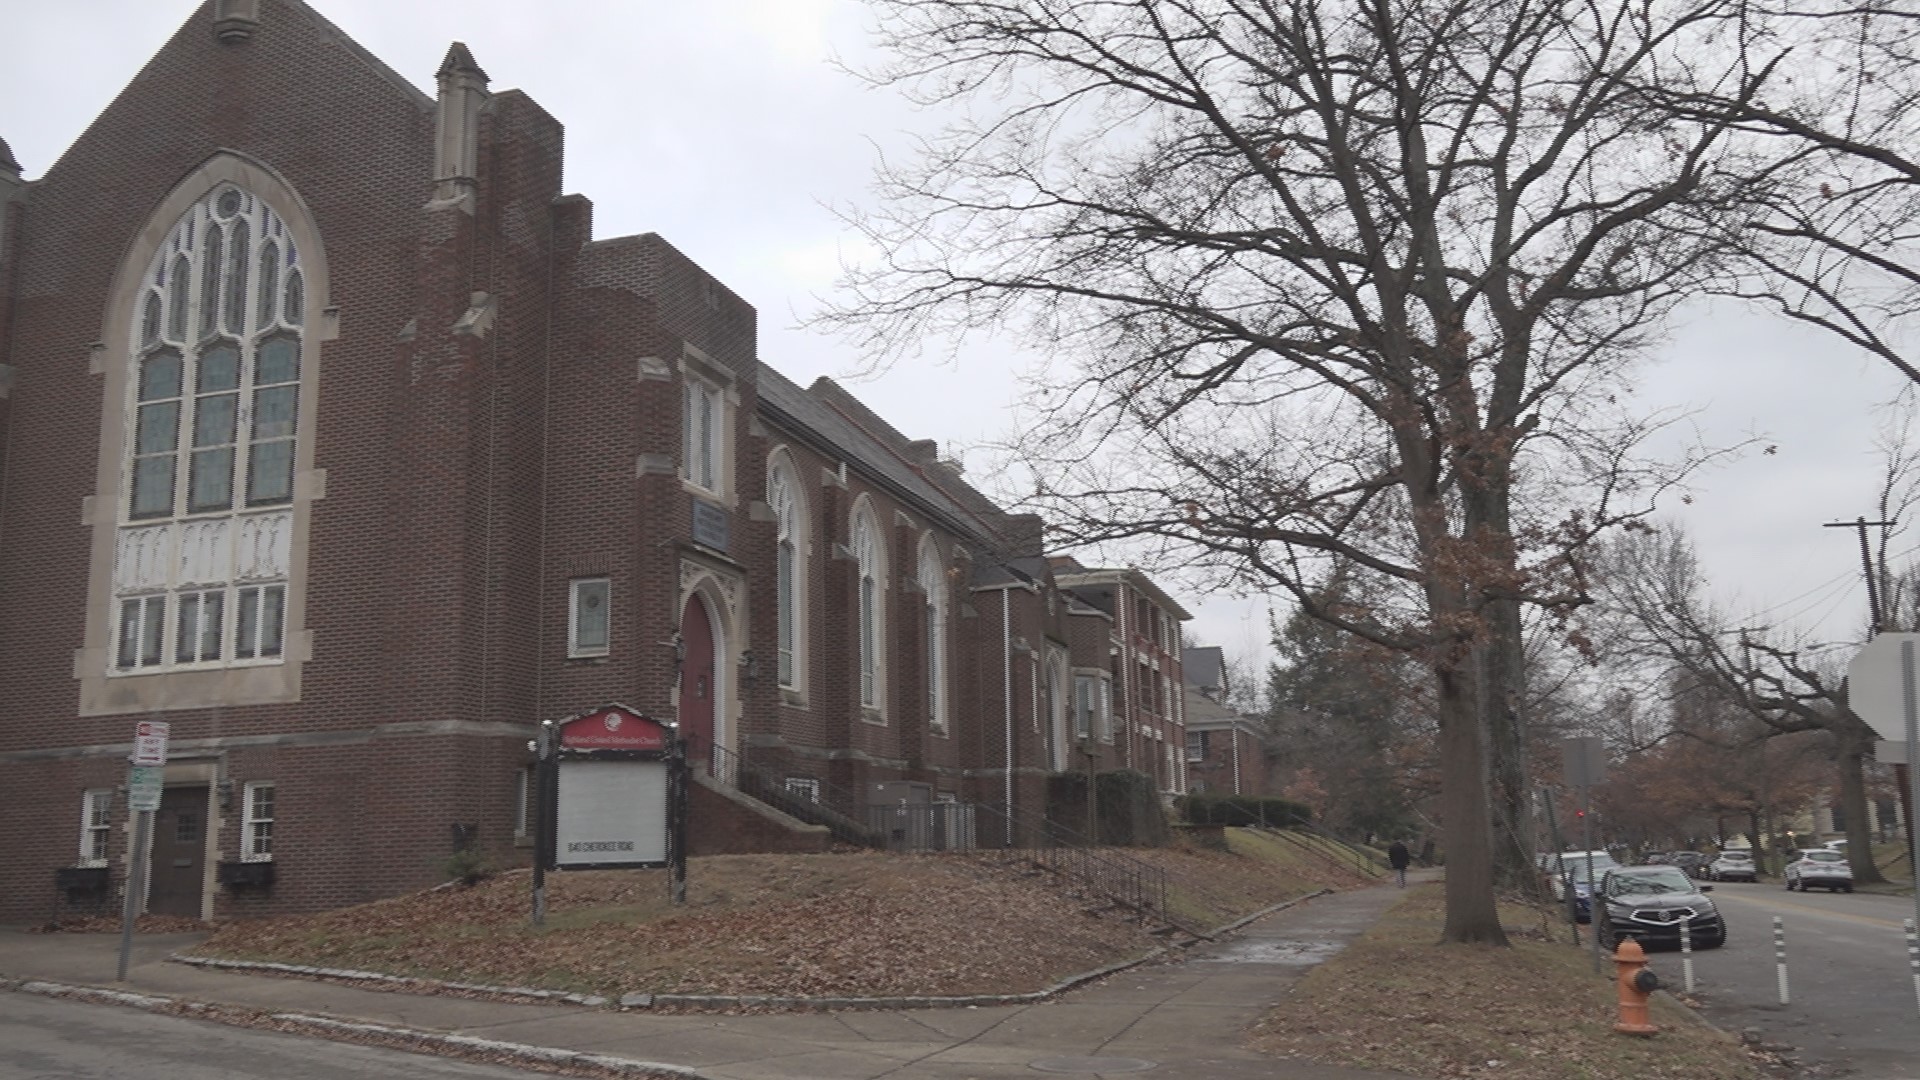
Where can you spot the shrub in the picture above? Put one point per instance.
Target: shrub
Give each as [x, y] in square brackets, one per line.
[466, 866]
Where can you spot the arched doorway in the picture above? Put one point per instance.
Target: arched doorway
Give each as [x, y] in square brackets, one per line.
[699, 692]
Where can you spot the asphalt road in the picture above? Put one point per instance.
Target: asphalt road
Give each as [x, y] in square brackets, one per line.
[1852, 1009]
[48, 1038]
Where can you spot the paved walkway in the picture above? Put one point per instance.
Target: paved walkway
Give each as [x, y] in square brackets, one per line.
[1182, 1018]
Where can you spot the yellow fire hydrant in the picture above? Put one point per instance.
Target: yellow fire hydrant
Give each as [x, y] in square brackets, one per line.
[1636, 984]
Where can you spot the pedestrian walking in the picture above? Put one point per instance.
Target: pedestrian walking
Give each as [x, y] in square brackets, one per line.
[1398, 857]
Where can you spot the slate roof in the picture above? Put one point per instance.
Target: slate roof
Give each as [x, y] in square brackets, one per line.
[834, 434]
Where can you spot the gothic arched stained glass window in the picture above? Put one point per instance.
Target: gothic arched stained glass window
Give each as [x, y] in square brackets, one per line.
[200, 568]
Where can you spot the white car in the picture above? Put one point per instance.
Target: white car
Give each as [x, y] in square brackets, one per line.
[1820, 868]
[1733, 865]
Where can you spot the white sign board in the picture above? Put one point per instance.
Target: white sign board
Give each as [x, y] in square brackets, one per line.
[149, 743]
[1875, 689]
[1890, 753]
[611, 813]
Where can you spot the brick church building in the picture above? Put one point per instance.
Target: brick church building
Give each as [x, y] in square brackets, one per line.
[331, 435]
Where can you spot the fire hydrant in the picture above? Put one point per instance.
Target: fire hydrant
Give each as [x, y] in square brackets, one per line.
[1636, 983]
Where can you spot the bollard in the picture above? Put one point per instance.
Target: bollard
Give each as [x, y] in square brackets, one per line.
[1686, 954]
[1780, 958]
[1636, 985]
[1913, 958]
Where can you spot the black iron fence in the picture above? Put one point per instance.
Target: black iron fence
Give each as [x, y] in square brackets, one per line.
[937, 826]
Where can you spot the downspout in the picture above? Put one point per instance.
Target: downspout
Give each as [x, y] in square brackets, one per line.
[1236, 758]
[1006, 659]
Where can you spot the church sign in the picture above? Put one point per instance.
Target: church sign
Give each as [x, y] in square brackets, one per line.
[612, 792]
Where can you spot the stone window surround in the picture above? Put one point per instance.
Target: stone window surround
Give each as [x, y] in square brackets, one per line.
[696, 366]
[782, 462]
[938, 653]
[870, 642]
[102, 694]
[575, 650]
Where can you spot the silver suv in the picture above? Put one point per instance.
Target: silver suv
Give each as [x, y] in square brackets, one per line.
[1820, 868]
[1731, 866]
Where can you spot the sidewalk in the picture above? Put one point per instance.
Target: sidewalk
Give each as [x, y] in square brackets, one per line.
[1182, 1018]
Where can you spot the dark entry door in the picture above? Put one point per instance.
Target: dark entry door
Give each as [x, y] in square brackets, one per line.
[179, 852]
[696, 680]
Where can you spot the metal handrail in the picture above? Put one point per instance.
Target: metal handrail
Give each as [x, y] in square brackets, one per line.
[736, 772]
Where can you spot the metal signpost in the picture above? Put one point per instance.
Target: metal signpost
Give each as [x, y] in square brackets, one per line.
[1880, 690]
[612, 792]
[146, 774]
[1584, 764]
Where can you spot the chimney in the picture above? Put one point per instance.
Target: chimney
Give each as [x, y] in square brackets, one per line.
[456, 148]
[234, 21]
[923, 452]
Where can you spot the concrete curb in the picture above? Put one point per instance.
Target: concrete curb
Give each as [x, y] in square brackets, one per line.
[1266, 911]
[718, 1001]
[561, 997]
[326, 1025]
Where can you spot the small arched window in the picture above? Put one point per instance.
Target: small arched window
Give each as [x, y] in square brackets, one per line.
[933, 583]
[789, 514]
[212, 404]
[869, 557]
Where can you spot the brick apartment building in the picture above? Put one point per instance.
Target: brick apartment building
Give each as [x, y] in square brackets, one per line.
[1225, 749]
[331, 435]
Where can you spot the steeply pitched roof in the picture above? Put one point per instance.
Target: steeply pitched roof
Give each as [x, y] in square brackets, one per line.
[844, 433]
[1204, 667]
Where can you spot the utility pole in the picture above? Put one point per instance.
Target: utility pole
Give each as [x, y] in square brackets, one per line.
[1874, 623]
[1901, 775]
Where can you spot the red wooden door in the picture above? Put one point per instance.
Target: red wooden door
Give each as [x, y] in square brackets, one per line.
[697, 691]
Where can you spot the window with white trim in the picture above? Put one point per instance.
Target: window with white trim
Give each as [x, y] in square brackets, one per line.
[1196, 746]
[96, 826]
[702, 424]
[589, 628]
[790, 571]
[213, 401]
[933, 583]
[256, 822]
[803, 787]
[869, 556]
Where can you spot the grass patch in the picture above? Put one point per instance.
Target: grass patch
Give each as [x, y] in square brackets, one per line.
[1395, 1000]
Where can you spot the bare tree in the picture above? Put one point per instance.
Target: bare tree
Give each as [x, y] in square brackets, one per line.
[1785, 685]
[1329, 280]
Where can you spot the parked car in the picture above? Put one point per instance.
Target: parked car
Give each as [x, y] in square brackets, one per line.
[1574, 870]
[1687, 862]
[1732, 866]
[1820, 868]
[1651, 903]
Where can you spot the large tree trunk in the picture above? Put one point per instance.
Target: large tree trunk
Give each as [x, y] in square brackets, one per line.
[1502, 698]
[1853, 805]
[1472, 917]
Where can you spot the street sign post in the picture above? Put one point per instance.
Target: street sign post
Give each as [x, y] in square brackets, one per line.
[146, 775]
[143, 786]
[1881, 691]
[150, 743]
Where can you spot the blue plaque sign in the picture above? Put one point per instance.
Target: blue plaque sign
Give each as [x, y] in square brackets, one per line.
[711, 525]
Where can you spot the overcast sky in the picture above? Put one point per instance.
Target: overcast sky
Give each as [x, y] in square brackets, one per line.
[724, 126]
